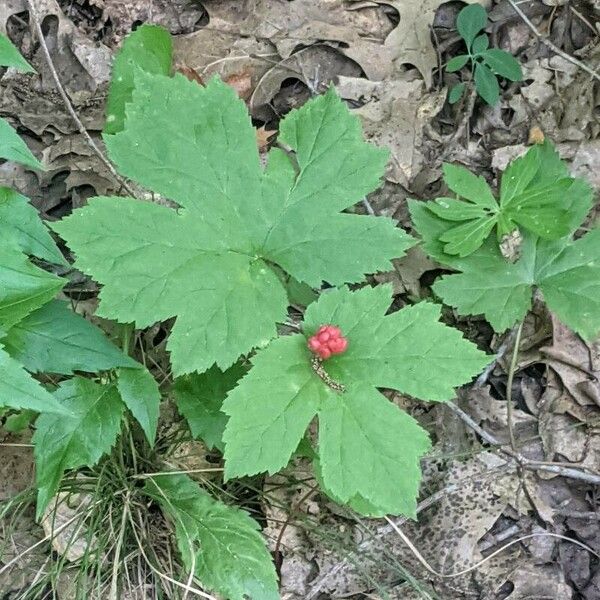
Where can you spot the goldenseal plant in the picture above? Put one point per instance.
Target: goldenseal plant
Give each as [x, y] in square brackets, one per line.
[224, 264]
[541, 208]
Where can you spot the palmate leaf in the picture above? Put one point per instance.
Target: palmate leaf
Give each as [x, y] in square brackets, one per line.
[536, 193]
[68, 442]
[209, 264]
[368, 447]
[567, 273]
[221, 543]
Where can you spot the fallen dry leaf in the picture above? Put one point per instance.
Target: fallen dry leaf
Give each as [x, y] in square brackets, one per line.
[410, 42]
[190, 74]
[394, 114]
[241, 82]
[263, 136]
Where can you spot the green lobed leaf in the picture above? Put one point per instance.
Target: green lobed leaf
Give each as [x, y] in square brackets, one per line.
[502, 63]
[20, 391]
[148, 48]
[392, 350]
[536, 193]
[14, 149]
[221, 543]
[140, 393]
[273, 405]
[62, 443]
[23, 287]
[271, 408]
[470, 21]
[11, 57]
[566, 272]
[466, 238]
[469, 186]
[209, 264]
[54, 339]
[164, 264]
[486, 84]
[370, 448]
[20, 221]
[501, 291]
[200, 398]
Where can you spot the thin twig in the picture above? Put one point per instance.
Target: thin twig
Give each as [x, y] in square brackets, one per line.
[504, 346]
[526, 463]
[550, 44]
[509, 383]
[67, 101]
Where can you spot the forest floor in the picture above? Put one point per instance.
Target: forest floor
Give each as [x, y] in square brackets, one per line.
[384, 57]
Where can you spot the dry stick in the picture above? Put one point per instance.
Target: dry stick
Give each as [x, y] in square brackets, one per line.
[67, 101]
[526, 463]
[509, 384]
[550, 44]
[504, 346]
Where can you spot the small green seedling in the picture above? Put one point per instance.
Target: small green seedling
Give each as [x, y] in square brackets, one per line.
[486, 63]
[536, 195]
[565, 270]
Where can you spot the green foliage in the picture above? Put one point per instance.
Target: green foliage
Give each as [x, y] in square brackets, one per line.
[273, 405]
[565, 270]
[486, 63]
[209, 263]
[148, 48]
[140, 393]
[222, 544]
[69, 442]
[536, 195]
[24, 288]
[21, 224]
[200, 398]
[54, 339]
[19, 390]
[11, 57]
[13, 148]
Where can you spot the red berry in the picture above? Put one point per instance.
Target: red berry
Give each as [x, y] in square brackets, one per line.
[328, 340]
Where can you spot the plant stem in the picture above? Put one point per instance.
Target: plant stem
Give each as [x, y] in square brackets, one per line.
[126, 333]
[509, 383]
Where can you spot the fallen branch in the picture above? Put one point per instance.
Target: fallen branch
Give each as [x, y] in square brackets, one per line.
[522, 461]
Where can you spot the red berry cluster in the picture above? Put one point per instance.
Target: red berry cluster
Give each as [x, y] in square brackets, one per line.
[327, 341]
